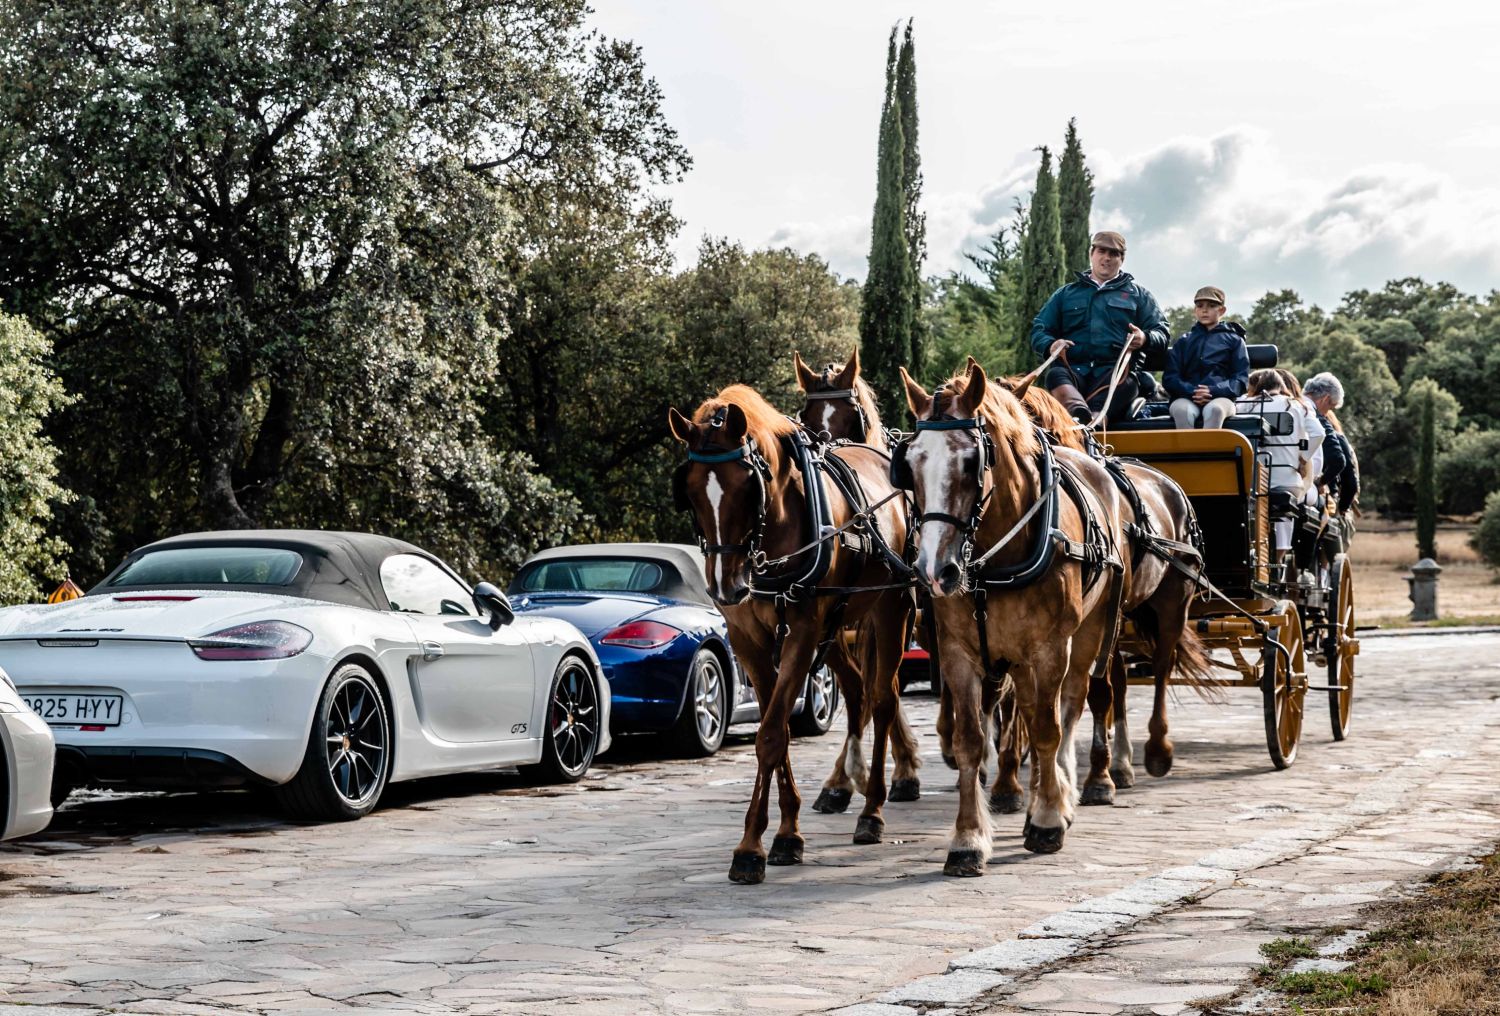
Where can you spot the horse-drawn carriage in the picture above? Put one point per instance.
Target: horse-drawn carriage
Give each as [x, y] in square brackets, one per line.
[1286, 625]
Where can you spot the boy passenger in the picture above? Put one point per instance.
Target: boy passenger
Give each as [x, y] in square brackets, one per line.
[1208, 367]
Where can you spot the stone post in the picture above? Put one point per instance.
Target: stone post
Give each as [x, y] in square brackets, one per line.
[1422, 585]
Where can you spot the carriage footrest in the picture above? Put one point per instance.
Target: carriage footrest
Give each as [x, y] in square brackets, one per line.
[1327, 687]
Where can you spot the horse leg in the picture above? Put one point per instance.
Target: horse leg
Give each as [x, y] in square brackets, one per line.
[1007, 796]
[1159, 746]
[1122, 769]
[969, 847]
[1051, 809]
[849, 772]
[1099, 787]
[748, 865]
[884, 661]
[905, 784]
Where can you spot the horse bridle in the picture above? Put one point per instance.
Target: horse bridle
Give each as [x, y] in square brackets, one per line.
[747, 455]
[969, 527]
[848, 395]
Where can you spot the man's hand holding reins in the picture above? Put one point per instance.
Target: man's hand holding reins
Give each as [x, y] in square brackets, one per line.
[1062, 345]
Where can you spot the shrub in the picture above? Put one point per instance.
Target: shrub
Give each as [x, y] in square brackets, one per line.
[1486, 538]
[1469, 470]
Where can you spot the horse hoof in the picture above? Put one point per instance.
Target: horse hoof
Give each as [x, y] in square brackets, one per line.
[747, 869]
[908, 788]
[1042, 840]
[964, 864]
[1158, 762]
[1124, 778]
[950, 761]
[833, 801]
[785, 850]
[1007, 803]
[1097, 793]
[868, 829]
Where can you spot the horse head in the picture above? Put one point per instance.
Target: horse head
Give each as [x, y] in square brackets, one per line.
[725, 485]
[840, 405]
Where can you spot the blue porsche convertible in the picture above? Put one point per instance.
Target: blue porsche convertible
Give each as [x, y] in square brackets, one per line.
[664, 645]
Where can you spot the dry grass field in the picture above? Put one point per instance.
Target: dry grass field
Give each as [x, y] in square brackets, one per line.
[1384, 551]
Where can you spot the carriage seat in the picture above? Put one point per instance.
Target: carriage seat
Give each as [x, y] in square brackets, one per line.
[1262, 355]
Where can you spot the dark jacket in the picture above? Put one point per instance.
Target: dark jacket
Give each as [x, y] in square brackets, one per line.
[1215, 357]
[1340, 470]
[1095, 318]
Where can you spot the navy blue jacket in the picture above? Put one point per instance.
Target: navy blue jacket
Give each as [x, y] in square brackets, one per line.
[1094, 318]
[1340, 471]
[1213, 357]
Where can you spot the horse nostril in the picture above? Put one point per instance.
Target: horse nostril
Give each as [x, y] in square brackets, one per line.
[949, 576]
[738, 594]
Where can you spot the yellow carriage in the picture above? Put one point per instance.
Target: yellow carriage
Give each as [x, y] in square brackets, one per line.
[1284, 624]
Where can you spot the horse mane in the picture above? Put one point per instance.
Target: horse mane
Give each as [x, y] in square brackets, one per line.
[763, 421]
[1000, 408]
[1048, 413]
[874, 429]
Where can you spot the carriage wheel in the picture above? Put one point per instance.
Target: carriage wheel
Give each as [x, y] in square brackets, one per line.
[1283, 685]
[1341, 647]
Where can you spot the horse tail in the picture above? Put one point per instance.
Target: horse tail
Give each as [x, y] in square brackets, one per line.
[1190, 661]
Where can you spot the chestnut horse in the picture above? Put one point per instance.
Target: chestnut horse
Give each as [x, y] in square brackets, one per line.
[840, 406]
[1157, 599]
[767, 564]
[1020, 546]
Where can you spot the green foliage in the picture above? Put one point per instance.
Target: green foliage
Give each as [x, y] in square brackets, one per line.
[1284, 950]
[1486, 538]
[1465, 359]
[1075, 200]
[1426, 480]
[1424, 306]
[911, 189]
[888, 310]
[271, 265]
[1397, 338]
[1296, 330]
[29, 392]
[1389, 453]
[1321, 987]
[1042, 268]
[970, 317]
[1468, 470]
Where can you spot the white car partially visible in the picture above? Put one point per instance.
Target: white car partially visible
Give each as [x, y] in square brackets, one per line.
[26, 751]
[324, 665]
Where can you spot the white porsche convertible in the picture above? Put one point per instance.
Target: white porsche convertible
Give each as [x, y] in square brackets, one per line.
[322, 664]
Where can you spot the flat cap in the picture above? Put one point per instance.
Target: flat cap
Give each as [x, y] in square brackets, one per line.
[1108, 238]
[1213, 293]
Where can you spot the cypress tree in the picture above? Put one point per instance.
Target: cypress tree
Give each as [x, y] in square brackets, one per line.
[1041, 251]
[1075, 186]
[1426, 485]
[911, 188]
[885, 318]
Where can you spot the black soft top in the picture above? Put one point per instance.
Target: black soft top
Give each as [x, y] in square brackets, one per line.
[336, 567]
[682, 564]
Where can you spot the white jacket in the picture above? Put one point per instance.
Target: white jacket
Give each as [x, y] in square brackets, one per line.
[1284, 450]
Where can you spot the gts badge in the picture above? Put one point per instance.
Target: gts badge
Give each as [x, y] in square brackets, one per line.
[518, 728]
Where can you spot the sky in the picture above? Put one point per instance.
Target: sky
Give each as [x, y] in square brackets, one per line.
[1316, 145]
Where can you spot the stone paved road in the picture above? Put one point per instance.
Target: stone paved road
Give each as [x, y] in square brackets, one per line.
[483, 894]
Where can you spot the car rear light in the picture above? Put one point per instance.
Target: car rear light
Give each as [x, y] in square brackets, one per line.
[641, 635]
[258, 640]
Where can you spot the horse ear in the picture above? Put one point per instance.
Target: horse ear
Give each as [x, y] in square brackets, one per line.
[850, 373]
[682, 427]
[917, 398]
[972, 397]
[806, 376]
[971, 365]
[735, 424]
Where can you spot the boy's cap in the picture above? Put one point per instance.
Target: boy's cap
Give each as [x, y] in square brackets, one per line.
[1108, 238]
[1213, 293]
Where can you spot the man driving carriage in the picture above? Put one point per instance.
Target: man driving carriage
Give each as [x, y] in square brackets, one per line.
[1089, 321]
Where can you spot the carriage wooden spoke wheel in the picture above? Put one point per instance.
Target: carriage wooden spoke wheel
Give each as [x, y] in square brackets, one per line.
[1342, 646]
[1283, 683]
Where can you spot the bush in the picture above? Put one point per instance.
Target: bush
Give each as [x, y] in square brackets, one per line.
[1469, 470]
[1486, 538]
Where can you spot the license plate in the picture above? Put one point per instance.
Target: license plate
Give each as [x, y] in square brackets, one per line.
[77, 710]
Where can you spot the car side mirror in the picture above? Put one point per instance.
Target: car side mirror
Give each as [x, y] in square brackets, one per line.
[488, 598]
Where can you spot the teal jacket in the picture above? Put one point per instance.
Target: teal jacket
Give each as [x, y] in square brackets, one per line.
[1095, 317]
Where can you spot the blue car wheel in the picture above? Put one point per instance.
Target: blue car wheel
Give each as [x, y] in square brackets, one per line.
[705, 712]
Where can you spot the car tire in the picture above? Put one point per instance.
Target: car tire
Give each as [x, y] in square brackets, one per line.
[571, 724]
[700, 727]
[348, 758]
[820, 704]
